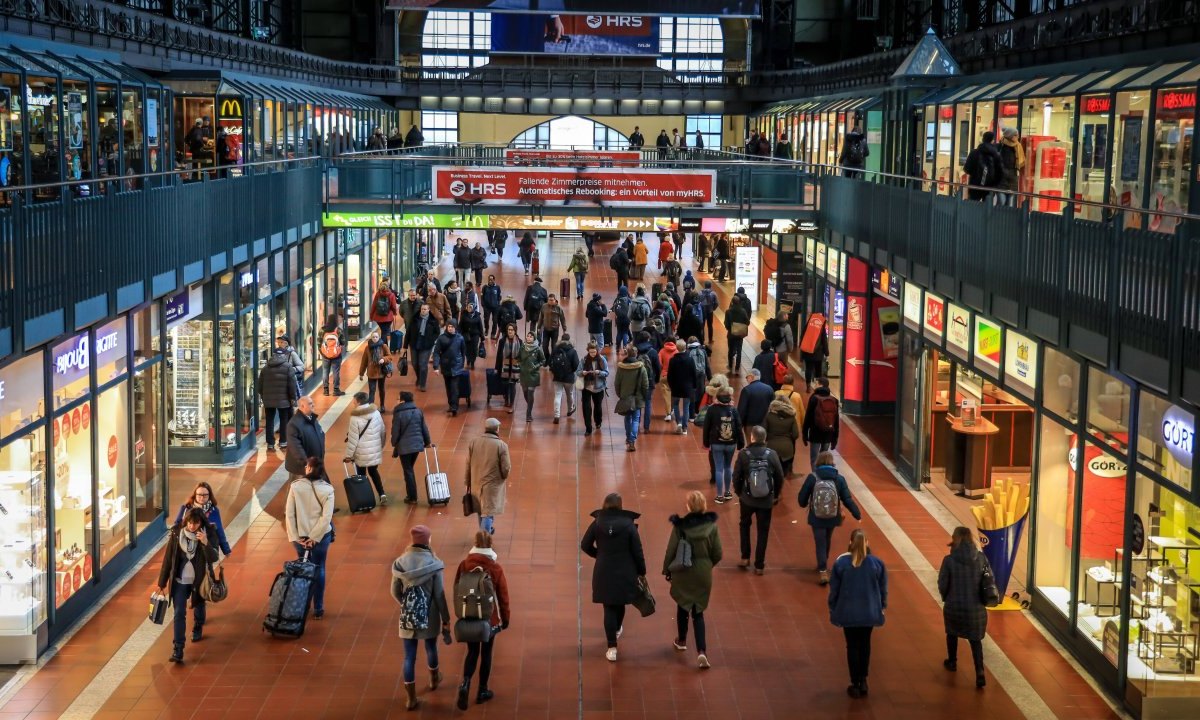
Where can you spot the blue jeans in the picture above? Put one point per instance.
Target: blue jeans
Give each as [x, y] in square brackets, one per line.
[682, 409]
[722, 464]
[623, 337]
[822, 537]
[179, 602]
[317, 555]
[632, 422]
[579, 283]
[410, 657]
[333, 373]
[488, 522]
[646, 412]
[814, 449]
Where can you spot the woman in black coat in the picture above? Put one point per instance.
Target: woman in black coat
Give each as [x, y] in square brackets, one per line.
[963, 610]
[613, 540]
[191, 548]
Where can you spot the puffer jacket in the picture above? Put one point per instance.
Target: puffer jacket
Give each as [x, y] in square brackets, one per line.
[782, 429]
[366, 436]
[669, 350]
[963, 613]
[419, 566]
[410, 434]
[691, 587]
[276, 383]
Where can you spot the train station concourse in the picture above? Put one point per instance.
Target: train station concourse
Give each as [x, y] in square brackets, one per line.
[726, 359]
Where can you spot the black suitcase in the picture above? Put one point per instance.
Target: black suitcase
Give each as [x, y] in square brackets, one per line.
[464, 387]
[395, 340]
[495, 384]
[359, 493]
[290, 597]
[608, 332]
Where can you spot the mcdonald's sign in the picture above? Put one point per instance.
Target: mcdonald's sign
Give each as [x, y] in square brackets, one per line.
[229, 107]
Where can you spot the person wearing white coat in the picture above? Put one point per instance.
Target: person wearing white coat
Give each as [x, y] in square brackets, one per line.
[365, 440]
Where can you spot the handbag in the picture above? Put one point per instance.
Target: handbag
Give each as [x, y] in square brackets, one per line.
[644, 602]
[683, 555]
[385, 367]
[158, 608]
[739, 329]
[699, 419]
[482, 353]
[989, 594]
[470, 503]
[403, 364]
[213, 587]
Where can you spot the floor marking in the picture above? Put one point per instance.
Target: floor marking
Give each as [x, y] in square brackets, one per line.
[948, 521]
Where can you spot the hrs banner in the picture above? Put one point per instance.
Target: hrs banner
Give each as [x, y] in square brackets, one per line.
[628, 35]
[582, 187]
[711, 8]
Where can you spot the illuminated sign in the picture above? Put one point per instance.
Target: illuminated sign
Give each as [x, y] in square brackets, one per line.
[76, 358]
[912, 305]
[443, 221]
[1020, 360]
[935, 316]
[946, 112]
[1097, 105]
[1009, 110]
[229, 108]
[958, 329]
[1178, 434]
[1177, 100]
[987, 344]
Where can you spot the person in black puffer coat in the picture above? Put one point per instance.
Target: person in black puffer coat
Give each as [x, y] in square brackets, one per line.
[279, 393]
[596, 313]
[613, 540]
[963, 612]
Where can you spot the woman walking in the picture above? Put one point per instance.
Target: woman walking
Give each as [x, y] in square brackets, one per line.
[963, 611]
[191, 547]
[532, 359]
[482, 558]
[857, 600]
[374, 366]
[723, 437]
[205, 499]
[593, 368]
[309, 521]
[613, 540]
[420, 572]
[631, 386]
[782, 431]
[508, 364]
[823, 493]
[691, 584]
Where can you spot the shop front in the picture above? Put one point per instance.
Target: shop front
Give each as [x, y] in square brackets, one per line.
[1080, 481]
[82, 474]
[817, 128]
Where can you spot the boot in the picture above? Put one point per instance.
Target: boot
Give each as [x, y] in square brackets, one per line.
[177, 654]
[464, 691]
[410, 692]
[435, 678]
[483, 696]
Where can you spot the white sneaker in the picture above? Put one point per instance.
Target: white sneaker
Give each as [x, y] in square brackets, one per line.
[611, 654]
[683, 431]
[619, 631]
[668, 417]
[383, 500]
[702, 661]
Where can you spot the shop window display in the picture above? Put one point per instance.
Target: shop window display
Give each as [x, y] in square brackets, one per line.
[1095, 128]
[109, 521]
[1130, 137]
[1166, 439]
[1171, 172]
[1108, 409]
[191, 383]
[1055, 483]
[248, 366]
[1101, 535]
[148, 465]
[1060, 385]
[1047, 124]
[72, 456]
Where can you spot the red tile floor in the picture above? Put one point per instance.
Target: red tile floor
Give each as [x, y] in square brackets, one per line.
[770, 641]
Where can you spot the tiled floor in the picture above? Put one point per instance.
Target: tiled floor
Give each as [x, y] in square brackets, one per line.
[772, 648]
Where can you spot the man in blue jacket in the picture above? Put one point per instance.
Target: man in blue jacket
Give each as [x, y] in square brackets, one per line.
[450, 359]
[755, 400]
[490, 298]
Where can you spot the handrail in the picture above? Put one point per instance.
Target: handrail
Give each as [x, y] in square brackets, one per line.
[161, 173]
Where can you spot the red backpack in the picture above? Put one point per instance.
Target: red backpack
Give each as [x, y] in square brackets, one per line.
[781, 371]
[331, 349]
[826, 413]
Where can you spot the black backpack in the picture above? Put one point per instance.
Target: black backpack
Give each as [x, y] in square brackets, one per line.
[639, 311]
[773, 332]
[621, 308]
[561, 368]
[382, 305]
[506, 315]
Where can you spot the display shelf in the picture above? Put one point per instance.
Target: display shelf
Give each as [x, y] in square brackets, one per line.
[22, 539]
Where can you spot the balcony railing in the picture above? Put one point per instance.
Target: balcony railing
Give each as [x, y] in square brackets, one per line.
[59, 253]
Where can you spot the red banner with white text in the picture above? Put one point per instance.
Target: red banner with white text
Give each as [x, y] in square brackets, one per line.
[554, 186]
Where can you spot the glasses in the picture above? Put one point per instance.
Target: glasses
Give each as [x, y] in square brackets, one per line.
[201, 494]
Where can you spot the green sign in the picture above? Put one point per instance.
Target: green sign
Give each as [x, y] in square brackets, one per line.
[439, 221]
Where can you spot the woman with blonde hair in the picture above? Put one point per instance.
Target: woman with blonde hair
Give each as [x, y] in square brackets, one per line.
[857, 600]
[689, 570]
[963, 611]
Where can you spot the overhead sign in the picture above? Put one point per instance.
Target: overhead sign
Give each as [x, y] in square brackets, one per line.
[573, 158]
[912, 305]
[1179, 435]
[1020, 361]
[711, 8]
[958, 330]
[689, 224]
[592, 35]
[436, 221]
[554, 186]
[886, 283]
[570, 222]
[987, 344]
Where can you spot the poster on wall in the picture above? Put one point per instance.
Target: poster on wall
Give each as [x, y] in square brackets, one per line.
[958, 330]
[1131, 150]
[1020, 362]
[745, 272]
[987, 344]
[836, 300]
[74, 121]
[570, 186]
[152, 121]
[1103, 502]
[935, 317]
[912, 305]
[593, 35]
[810, 251]
[820, 261]
[889, 330]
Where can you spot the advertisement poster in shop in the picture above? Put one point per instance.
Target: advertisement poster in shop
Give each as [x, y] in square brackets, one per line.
[745, 272]
[5, 127]
[593, 35]
[958, 330]
[1020, 361]
[855, 310]
[1103, 502]
[707, 8]
[889, 330]
[987, 343]
[553, 186]
[912, 306]
[74, 121]
[935, 316]
[573, 158]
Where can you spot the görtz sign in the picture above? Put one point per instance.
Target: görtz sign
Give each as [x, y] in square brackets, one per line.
[1178, 435]
[76, 358]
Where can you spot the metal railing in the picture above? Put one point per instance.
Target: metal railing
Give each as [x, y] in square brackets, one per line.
[58, 253]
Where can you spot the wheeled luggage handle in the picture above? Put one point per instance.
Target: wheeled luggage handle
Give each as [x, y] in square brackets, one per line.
[346, 469]
[436, 464]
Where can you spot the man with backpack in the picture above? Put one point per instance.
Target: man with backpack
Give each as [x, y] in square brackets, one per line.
[648, 356]
[708, 300]
[564, 362]
[824, 492]
[757, 481]
[535, 298]
[822, 421]
[854, 152]
[639, 310]
[332, 348]
[779, 332]
[619, 262]
[984, 168]
[622, 322]
[699, 357]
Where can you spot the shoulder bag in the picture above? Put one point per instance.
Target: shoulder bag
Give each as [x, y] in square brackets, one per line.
[683, 555]
[403, 365]
[624, 406]
[644, 602]
[989, 594]
[213, 587]
[739, 329]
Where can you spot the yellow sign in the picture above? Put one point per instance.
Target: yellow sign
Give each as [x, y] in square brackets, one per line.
[570, 223]
[229, 108]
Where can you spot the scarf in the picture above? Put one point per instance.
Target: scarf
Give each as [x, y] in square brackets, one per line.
[207, 507]
[486, 552]
[188, 543]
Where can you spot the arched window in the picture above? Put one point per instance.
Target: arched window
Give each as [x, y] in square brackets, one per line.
[571, 131]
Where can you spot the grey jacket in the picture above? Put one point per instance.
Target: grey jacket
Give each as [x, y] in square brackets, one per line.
[419, 566]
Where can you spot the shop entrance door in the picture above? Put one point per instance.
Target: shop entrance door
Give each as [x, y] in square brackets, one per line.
[911, 417]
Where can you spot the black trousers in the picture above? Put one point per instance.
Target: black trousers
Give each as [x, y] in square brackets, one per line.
[593, 408]
[451, 390]
[812, 370]
[373, 473]
[385, 329]
[614, 618]
[481, 653]
[408, 461]
[735, 353]
[491, 326]
[372, 386]
[763, 518]
[549, 339]
[681, 626]
[708, 324]
[976, 652]
[858, 653]
[285, 417]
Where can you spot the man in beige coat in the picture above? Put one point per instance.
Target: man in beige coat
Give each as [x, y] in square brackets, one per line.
[488, 466]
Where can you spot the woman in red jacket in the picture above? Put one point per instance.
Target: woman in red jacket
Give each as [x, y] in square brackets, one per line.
[383, 308]
[482, 556]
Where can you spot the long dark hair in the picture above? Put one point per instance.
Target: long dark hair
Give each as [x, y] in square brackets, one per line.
[318, 469]
[212, 496]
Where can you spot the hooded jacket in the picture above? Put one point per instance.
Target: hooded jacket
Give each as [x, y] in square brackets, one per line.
[811, 432]
[963, 613]
[366, 436]
[691, 587]
[579, 262]
[682, 378]
[639, 299]
[564, 347]
[277, 383]
[613, 540]
[532, 359]
[410, 434]
[485, 559]
[668, 351]
[392, 307]
[646, 351]
[419, 566]
[488, 467]
[782, 430]
[827, 472]
[631, 382]
[722, 426]
[596, 313]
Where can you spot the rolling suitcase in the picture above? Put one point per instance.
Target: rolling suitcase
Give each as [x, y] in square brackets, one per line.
[608, 332]
[655, 290]
[564, 290]
[495, 384]
[395, 340]
[359, 493]
[464, 387]
[290, 596]
[437, 483]
[537, 263]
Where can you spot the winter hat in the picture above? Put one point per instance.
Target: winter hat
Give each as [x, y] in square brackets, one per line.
[595, 296]
[1010, 132]
[421, 534]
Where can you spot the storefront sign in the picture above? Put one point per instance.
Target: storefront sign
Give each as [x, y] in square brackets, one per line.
[33, 99]
[912, 305]
[229, 107]
[152, 121]
[810, 251]
[886, 283]
[987, 344]
[433, 221]
[935, 316]
[184, 305]
[819, 264]
[1179, 435]
[745, 272]
[946, 112]
[689, 224]
[553, 186]
[958, 330]
[1103, 502]
[1177, 100]
[74, 121]
[837, 327]
[570, 222]
[573, 158]
[854, 313]
[1020, 360]
[1098, 105]
[1010, 110]
[77, 358]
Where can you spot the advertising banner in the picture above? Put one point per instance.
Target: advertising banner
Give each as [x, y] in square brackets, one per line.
[433, 221]
[1020, 362]
[886, 283]
[987, 344]
[593, 35]
[711, 8]
[958, 330]
[570, 222]
[935, 316]
[1103, 498]
[573, 158]
[912, 305]
[553, 186]
[889, 330]
[74, 121]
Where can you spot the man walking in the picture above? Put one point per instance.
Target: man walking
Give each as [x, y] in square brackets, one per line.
[450, 359]
[305, 439]
[755, 400]
[421, 338]
[535, 299]
[490, 297]
[488, 466]
[822, 421]
[757, 480]
[278, 391]
[564, 363]
[552, 322]
[332, 348]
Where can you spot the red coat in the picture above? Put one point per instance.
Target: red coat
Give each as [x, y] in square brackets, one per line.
[390, 315]
[665, 252]
[475, 560]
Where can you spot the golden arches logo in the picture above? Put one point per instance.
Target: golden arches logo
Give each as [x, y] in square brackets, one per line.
[230, 108]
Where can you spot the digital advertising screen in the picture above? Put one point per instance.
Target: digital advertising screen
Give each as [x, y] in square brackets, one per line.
[709, 8]
[627, 35]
